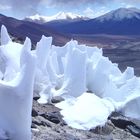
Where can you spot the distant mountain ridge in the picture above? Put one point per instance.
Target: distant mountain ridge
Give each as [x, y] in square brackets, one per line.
[120, 14]
[21, 29]
[123, 21]
[59, 16]
[120, 22]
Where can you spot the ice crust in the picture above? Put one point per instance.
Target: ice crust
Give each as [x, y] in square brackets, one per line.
[93, 86]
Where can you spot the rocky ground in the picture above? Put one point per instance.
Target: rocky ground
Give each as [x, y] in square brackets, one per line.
[48, 124]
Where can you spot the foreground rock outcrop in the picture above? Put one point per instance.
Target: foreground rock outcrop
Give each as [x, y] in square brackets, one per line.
[48, 124]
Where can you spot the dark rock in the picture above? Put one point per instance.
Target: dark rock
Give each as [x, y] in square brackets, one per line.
[36, 96]
[120, 121]
[70, 137]
[34, 113]
[125, 123]
[40, 122]
[57, 99]
[134, 130]
[62, 123]
[54, 117]
[103, 130]
[33, 125]
[46, 129]
[45, 108]
[44, 123]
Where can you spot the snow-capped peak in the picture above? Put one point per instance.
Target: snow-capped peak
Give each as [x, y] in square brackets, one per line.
[62, 15]
[58, 16]
[120, 14]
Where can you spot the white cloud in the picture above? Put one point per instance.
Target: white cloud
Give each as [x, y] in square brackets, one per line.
[129, 5]
[101, 12]
[5, 7]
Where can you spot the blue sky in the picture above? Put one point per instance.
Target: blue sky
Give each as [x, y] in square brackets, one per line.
[90, 8]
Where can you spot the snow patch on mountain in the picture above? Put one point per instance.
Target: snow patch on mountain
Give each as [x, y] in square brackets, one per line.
[120, 14]
[58, 16]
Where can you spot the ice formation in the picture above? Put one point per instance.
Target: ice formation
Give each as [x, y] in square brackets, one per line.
[93, 86]
[73, 70]
[76, 69]
[4, 36]
[16, 94]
